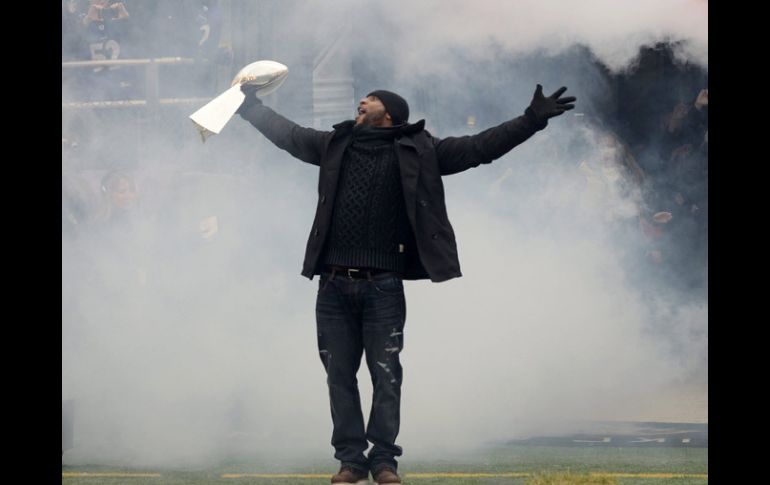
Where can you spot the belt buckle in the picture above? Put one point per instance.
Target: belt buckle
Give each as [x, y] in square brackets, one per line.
[351, 270]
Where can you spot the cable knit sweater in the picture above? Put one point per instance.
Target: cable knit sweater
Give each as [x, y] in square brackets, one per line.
[369, 226]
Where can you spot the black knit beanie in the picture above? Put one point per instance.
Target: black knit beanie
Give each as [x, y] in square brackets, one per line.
[394, 104]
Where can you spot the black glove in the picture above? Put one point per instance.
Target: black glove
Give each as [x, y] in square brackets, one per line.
[541, 108]
[251, 98]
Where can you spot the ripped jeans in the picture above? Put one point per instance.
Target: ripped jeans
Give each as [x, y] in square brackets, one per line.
[353, 316]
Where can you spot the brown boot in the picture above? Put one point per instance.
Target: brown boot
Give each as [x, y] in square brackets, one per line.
[386, 476]
[350, 475]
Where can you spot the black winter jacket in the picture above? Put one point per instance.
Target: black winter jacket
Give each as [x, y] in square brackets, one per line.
[422, 158]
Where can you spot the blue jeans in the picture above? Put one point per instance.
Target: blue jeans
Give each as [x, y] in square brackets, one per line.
[353, 316]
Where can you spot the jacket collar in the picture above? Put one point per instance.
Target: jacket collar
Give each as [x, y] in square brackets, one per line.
[408, 138]
[344, 126]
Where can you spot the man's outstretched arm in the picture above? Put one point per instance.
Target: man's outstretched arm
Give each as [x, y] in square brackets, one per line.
[304, 143]
[456, 154]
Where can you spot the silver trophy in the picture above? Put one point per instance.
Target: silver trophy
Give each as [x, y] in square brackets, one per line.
[213, 116]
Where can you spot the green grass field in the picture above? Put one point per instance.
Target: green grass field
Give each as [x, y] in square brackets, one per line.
[510, 464]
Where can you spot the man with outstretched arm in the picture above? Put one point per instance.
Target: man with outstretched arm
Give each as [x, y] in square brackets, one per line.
[380, 219]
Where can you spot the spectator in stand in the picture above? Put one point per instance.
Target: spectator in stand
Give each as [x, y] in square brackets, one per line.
[686, 177]
[686, 124]
[679, 196]
[207, 52]
[119, 198]
[190, 29]
[106, 27]
[121, 231]
[105, 24]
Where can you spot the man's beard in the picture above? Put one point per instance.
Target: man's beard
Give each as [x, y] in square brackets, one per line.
[373, 119]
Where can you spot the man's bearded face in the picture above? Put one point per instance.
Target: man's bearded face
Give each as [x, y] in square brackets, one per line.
[371, 111]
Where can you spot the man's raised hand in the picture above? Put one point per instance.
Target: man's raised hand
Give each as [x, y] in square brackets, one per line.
[544, 107]
[251, 98]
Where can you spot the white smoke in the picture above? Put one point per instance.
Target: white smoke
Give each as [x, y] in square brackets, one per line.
[211, 351]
